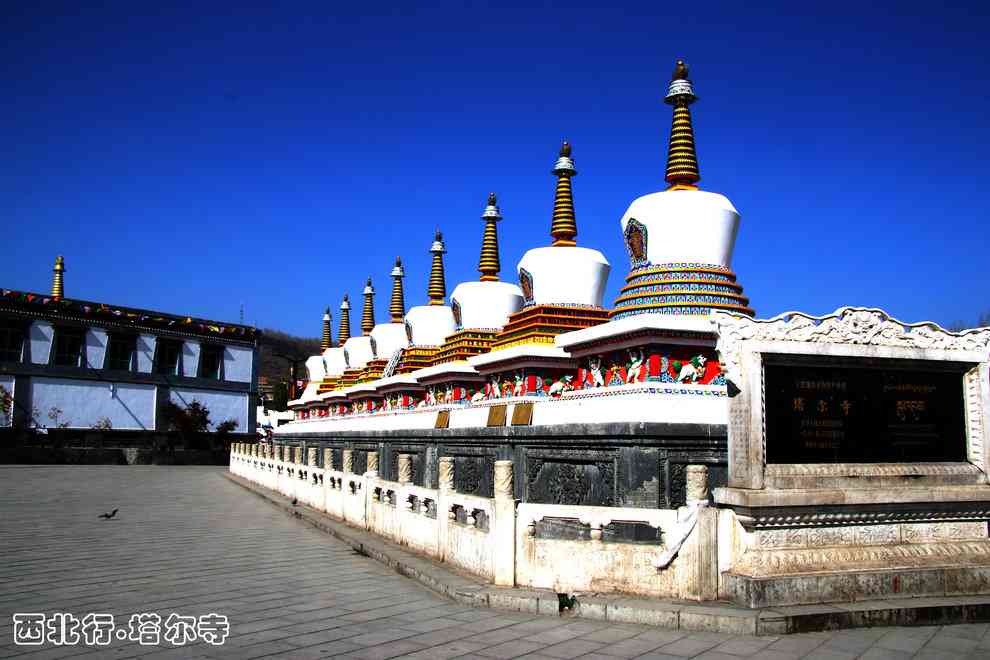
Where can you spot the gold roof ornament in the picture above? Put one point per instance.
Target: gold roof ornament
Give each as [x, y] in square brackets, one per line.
[489, 264]
[397, 306]
[368, 313]
[563, 228]
[437, 289]
[58, 290]
[326, 341]
[344, 333]
[682, 159]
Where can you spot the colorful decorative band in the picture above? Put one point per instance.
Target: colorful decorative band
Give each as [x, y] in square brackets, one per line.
[680, 287]
[678, 299]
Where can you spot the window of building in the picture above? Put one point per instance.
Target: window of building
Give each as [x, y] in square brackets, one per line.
[210, 361]
[167, 356]
[69, 347]
[120, 352]
[11, 342]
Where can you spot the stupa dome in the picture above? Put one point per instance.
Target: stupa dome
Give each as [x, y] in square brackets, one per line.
[429, 325]
[563, 276]
[358, 351]
[485, 305]
[334, 361]
[687, 226]
[388, 338]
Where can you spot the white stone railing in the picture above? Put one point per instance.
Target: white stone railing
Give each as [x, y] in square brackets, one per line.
[497, 538]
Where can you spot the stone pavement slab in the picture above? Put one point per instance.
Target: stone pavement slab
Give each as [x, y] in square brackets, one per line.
[189, 541]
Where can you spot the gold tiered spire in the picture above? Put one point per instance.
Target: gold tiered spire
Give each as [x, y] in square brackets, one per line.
[397, 307]
[564, 225]
[489, 264]
[368, 313]
[59, 270]
[345, 321]
[437, 289]
[326, 341]
[682, 161]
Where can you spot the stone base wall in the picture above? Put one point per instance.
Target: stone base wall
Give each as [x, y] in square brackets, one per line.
[496, 538]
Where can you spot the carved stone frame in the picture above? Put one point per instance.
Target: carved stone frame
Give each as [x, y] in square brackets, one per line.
[848, 333]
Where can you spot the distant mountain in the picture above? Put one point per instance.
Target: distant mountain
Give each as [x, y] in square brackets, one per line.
[272, 342]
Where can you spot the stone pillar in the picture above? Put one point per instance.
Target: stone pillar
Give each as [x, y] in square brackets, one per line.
[503, 528]
[405, 469]
[327, 458]
[278, 452]
[696, 477]
[347, 460]
[311, 456]
[373, 462]
[297, 455]
[446, 469]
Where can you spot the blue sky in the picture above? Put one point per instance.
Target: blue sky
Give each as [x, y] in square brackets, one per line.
[192, 158]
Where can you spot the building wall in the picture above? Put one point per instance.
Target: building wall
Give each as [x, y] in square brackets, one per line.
[84, 403]
[222, 405]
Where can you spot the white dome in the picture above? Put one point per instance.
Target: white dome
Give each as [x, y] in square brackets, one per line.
[335, 361]
[683, 226]
[485, 304]
[315, 368]
[359, 351]
[564, 276]
[429, 325]
[388, 338]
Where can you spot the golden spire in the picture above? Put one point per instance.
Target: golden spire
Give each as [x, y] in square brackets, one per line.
[59, 270]
[437, 289]
[564, 225]
[368, 313]
[345, 321]
[489, 264]
[397, 308]
[326, 341]
[682, 161]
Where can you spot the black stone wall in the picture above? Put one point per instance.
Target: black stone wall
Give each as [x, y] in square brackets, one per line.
[629, 465]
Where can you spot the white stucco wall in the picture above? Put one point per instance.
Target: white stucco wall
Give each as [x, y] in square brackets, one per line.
[96, 347]
[40, 336]
[190, 358]
[237, 364]
[222, 405]
[85, 402]
[145, 353]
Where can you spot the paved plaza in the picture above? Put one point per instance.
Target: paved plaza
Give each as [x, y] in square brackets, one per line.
[188, 541]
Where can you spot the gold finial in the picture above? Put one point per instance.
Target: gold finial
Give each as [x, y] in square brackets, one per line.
[437, 289]
[397, 306]
[326, 341]
[368, 313]
[57, 281]
[682, 161]
[489, 264]
[563, 227]
[344, 333]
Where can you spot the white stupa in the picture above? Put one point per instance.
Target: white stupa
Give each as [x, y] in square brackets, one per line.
[487, 303]
[429, 324]
[563, 274]
[387, 338]
[680, 240]
[358, 351]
